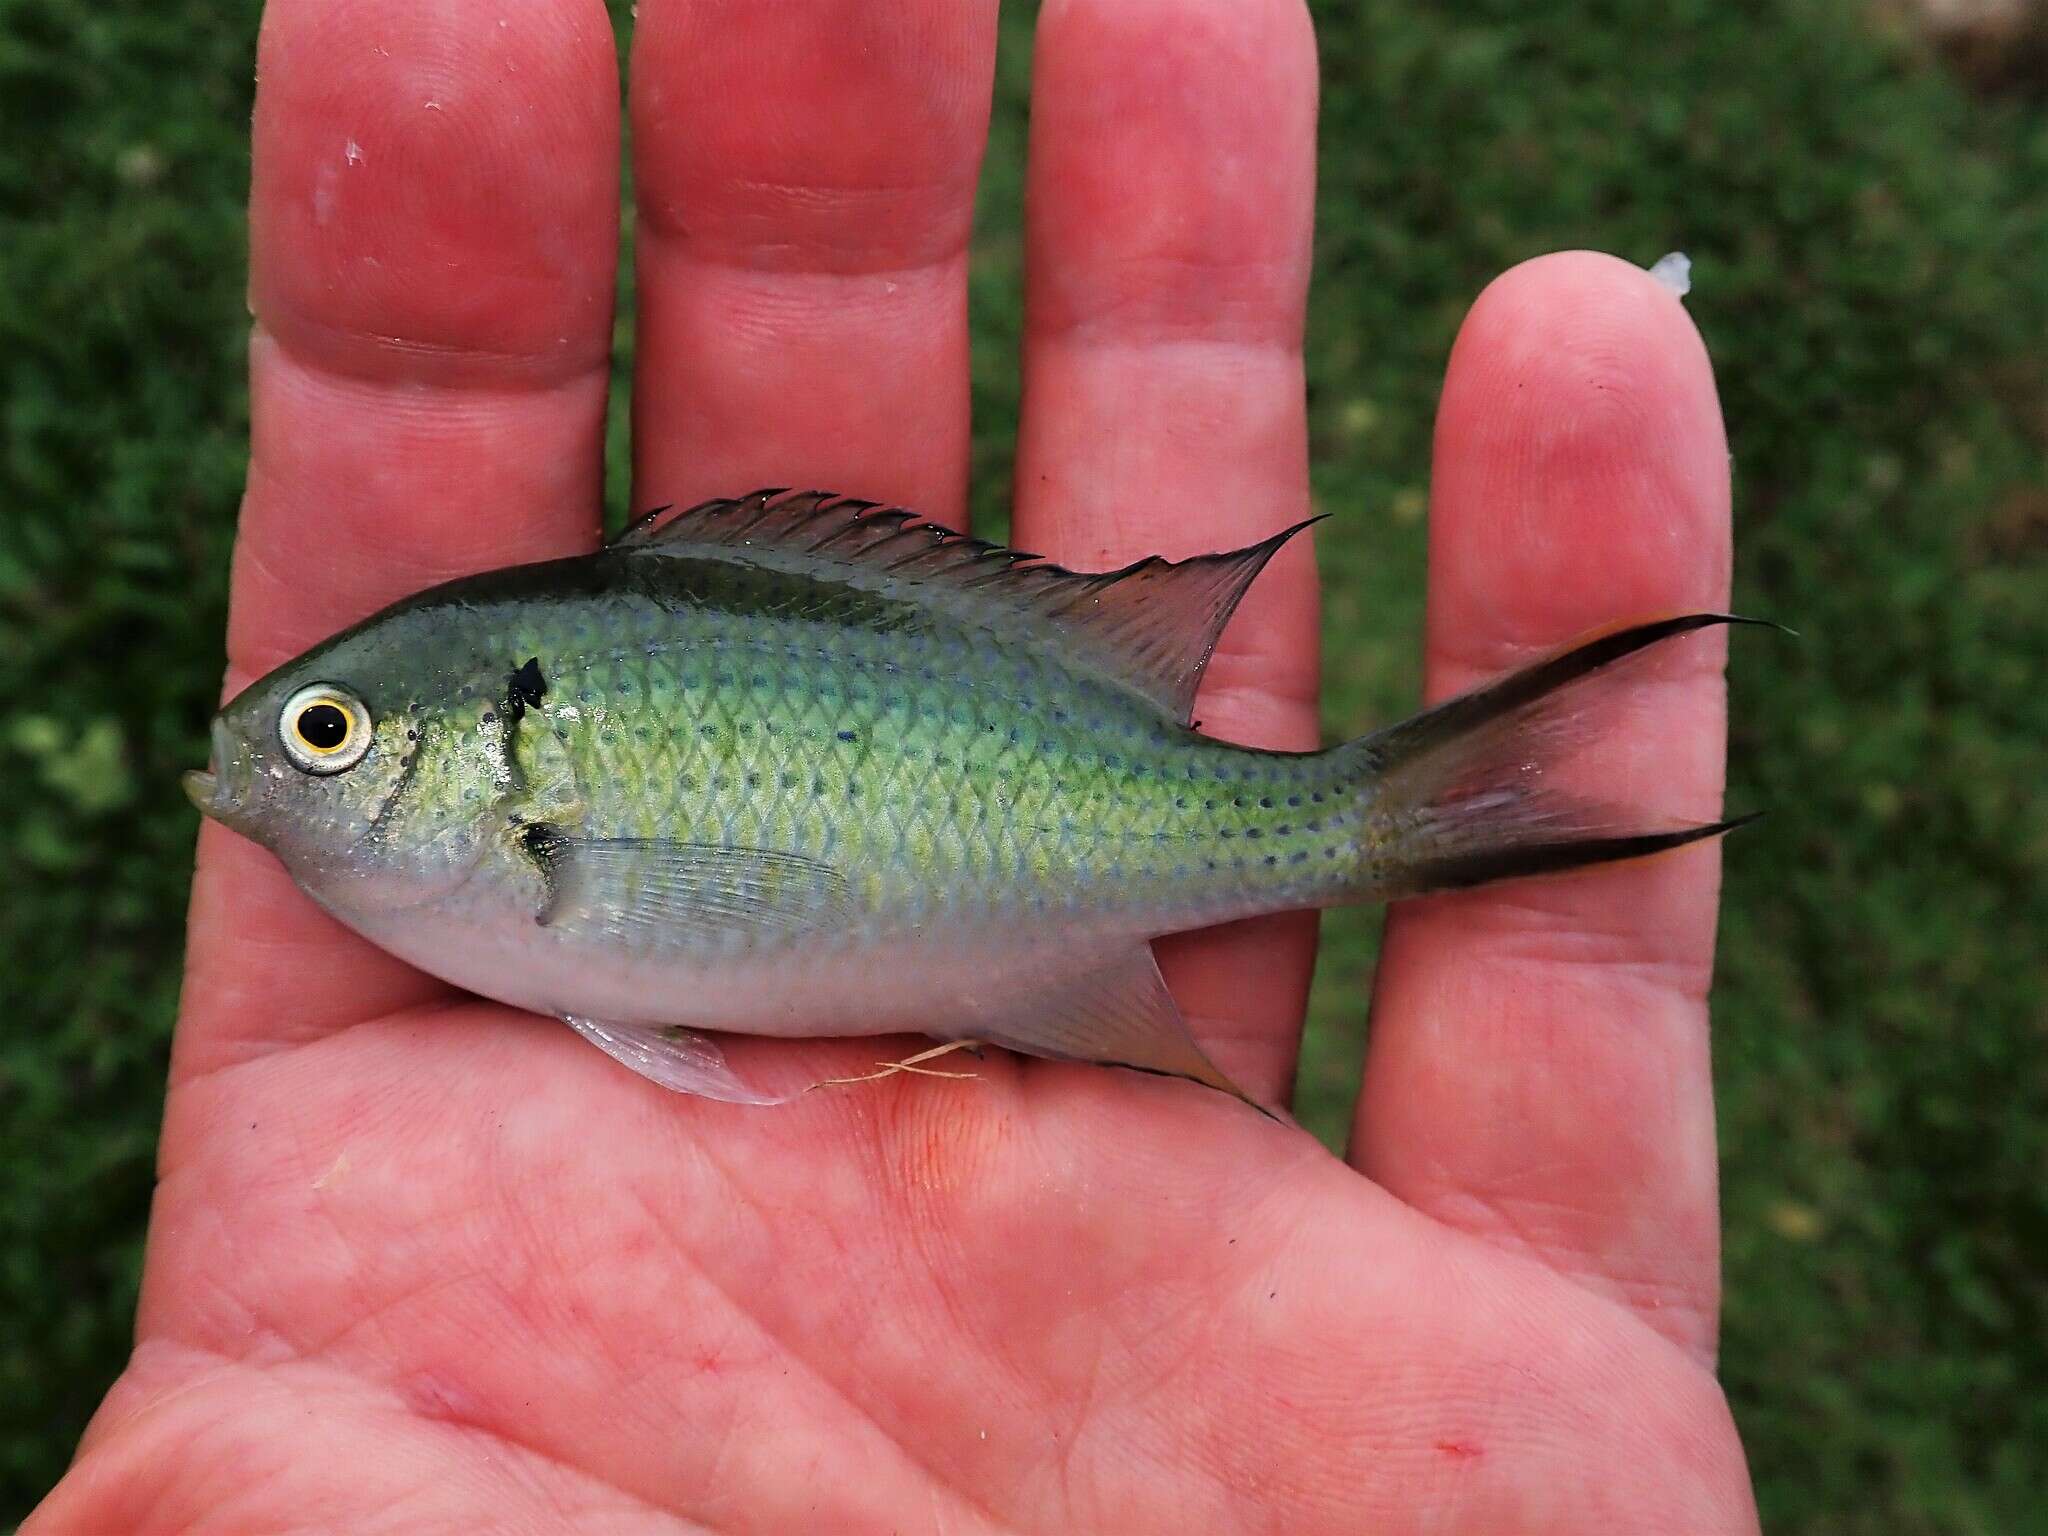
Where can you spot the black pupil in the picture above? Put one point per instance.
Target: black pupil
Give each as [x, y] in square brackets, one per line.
[323, 726]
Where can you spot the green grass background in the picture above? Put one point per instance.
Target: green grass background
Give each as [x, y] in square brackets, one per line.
[1871, 249]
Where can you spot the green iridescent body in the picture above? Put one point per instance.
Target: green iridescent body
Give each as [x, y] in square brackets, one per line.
[954, 778]
[784, 768]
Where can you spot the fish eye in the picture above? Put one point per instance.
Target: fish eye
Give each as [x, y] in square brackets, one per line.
[324, 729]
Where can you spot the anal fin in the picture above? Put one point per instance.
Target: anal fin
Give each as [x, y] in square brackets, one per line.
[1116, 1014]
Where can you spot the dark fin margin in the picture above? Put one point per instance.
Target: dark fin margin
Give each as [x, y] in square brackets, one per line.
[1456, 717]
[1457, 871]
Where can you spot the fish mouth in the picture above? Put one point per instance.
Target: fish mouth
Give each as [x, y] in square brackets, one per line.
[200, 788]
[217, 789]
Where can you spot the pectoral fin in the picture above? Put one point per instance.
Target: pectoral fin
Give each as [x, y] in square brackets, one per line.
[679, 1059]
[706, 893]
[1118, 1014]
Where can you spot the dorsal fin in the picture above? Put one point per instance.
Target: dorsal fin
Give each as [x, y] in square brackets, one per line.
[1152, 625]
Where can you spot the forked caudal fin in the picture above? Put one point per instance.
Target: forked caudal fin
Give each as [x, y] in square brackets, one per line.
[1458, 795]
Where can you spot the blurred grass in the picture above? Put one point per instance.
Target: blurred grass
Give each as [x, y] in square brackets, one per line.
[1871, 249]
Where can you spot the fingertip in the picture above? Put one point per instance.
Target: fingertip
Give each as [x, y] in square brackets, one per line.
[1585, 282]
[1586, 302]
[435, 189]
[1581, 464]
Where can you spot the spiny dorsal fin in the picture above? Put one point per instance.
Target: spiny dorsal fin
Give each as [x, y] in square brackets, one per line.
[1152, 625]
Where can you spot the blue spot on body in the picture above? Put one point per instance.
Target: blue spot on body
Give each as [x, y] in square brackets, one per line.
[849, 736]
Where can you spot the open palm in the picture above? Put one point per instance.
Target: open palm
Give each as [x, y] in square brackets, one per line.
[420, 1263]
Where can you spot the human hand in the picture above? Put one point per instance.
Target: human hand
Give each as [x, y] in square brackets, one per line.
[419, 1262]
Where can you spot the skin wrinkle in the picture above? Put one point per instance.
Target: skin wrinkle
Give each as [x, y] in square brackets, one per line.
[1070, 1443]
[370, 1317]
[1468, 659]
[452, 405]
[1553, 941]
[381, 572]
[366, 357]
[329, 1378]
[1506, 1215]
[790, 259]
[518, 1444]
[1250, 325]
[106, 1427]
[1265, 705]
[850, 256]
[449, 1001]
[1184, 1331]
[764, 307]
[1066, 1446]
[941, 1258]
[812, 1372]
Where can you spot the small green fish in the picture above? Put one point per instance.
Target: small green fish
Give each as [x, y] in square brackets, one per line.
[792, 765]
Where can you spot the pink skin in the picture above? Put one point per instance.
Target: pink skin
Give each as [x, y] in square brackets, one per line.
[419, 1263]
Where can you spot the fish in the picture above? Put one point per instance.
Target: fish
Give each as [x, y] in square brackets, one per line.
[798, 765]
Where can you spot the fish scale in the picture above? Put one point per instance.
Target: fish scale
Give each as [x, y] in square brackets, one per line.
[789, 765]
[935, 765]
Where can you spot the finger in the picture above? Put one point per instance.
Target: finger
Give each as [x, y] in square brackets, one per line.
[433, 233]
[1538, 1066]
[1171, 194]
[805, 181]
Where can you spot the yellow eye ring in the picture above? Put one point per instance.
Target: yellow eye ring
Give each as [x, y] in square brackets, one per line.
[324, 729]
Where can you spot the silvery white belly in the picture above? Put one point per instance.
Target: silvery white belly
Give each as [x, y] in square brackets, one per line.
[942, 979]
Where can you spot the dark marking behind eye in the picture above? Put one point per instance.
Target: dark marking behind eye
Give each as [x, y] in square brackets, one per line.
[525, 688]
